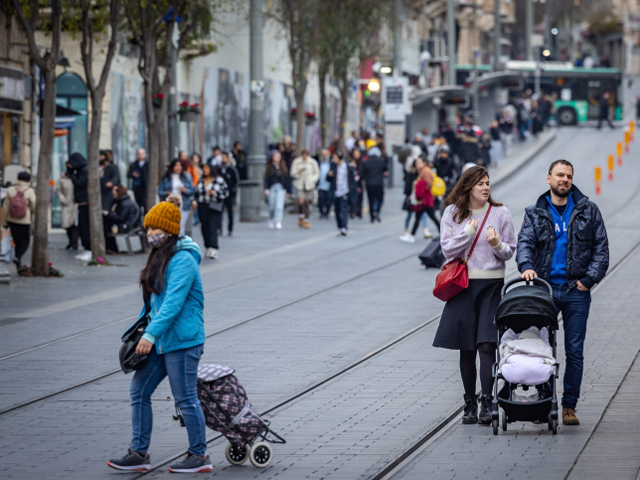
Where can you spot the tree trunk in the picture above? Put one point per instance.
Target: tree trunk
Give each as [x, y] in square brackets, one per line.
[96, 225]
[322, 78]
[40, 257]
[344, 96]
[300, 119]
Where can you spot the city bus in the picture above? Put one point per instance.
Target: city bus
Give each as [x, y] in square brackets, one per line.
[577, 90]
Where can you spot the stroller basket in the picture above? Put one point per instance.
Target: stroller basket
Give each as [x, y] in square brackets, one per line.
[524, 412]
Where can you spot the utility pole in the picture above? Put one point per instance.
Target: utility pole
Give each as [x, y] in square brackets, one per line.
[173, 124]
[496, 35]
[529, 29]
[251, 192]
[451, 48]
[476, 55]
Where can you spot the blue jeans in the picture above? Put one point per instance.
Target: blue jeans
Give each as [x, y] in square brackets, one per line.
[277, 196]
[181, 366]
[342, 211]
[574, 305]
[407, 221]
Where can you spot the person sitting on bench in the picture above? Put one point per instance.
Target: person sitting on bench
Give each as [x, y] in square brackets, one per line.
[123, 217]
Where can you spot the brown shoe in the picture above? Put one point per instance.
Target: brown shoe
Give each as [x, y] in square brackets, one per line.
[307, 224]
[300, 222]
[569, 416]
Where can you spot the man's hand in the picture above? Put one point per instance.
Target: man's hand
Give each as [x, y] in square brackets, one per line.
[144, 347]
[493, 238]
[529, 274]
[136, 174]
[108, 185]
[581, 287]
[266, 193]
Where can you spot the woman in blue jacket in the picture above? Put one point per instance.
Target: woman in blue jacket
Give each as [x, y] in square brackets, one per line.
[173, 339]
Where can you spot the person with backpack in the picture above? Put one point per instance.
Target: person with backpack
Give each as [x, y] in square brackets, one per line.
[421, 198]
[18, 205]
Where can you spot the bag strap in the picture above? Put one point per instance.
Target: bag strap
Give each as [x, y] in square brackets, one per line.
[478, 234]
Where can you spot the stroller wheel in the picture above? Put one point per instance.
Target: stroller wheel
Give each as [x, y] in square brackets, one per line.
[236, 454]
[504, 422]
[260, 454]
[494, 424]
[554, 425]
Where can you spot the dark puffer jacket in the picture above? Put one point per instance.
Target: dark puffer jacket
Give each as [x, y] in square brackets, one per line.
[125, 214]
[587, 243]
[79, 175]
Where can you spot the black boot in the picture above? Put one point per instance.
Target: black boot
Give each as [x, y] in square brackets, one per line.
[470, 410]
[485, 410]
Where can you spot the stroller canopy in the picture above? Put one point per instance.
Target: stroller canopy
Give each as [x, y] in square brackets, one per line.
[527, 306]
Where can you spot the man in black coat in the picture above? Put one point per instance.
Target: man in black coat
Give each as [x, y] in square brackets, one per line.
[231, 176]
[564, 241]
[78, 172]
[374, 169]
[109, 177]
[138, 174]
[604, 110]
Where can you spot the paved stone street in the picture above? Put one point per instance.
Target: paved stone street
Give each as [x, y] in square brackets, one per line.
[288, 309]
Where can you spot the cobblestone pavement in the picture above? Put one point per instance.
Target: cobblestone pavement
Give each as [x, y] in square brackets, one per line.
[312, 304]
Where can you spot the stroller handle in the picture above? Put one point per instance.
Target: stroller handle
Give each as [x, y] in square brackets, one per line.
[540, 281]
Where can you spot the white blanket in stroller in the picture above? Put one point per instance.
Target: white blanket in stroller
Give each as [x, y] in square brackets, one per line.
[527, 358]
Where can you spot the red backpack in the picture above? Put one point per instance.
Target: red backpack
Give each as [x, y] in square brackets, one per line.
[18, 205]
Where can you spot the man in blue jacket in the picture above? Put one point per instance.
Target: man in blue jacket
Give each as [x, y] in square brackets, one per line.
[564, 240]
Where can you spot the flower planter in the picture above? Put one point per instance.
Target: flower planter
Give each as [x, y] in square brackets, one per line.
[189, 117]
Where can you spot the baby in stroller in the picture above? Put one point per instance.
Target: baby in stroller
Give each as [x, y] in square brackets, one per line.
[527, 322]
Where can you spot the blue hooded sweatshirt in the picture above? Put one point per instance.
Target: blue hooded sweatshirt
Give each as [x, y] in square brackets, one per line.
[560, 223]
[176, 317]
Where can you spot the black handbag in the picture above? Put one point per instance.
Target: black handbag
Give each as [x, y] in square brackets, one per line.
[130, 361]
[216, 206]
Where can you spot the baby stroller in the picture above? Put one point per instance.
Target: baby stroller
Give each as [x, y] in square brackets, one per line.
[520, 308]
[228, 411]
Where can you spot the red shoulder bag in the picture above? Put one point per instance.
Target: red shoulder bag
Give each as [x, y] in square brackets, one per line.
[454, 275]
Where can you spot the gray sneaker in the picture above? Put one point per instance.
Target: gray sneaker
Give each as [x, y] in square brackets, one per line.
[192, 464]
[132, 461]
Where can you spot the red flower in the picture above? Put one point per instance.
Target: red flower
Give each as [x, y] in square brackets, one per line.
[184, 104]
[194, 105]
[160, 96]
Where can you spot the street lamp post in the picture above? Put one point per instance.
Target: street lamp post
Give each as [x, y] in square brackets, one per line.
[451, 49]
[251, 193]
[529, 29]
[496, 30]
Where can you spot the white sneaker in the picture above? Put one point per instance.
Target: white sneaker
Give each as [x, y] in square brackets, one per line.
[214, 254]
[279, 225]
[207, 253]
[408, 238]
[427, 233]
[85, 256]
[270, 223]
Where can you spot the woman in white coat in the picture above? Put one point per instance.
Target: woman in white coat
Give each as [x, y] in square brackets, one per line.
[64, 189]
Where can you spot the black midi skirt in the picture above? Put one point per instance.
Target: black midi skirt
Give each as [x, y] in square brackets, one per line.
[468, 318]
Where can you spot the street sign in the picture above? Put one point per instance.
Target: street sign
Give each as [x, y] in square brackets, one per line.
[395, 97]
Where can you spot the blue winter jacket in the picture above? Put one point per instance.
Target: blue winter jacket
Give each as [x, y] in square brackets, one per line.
[177, 320]
[587, 242]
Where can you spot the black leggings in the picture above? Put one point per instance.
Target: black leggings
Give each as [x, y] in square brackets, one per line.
[487, 352]
[432, 215]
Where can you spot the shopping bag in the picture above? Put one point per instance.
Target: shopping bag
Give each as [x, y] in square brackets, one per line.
[6, 246]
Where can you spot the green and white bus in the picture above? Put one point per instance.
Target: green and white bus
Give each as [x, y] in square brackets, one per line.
[578, 90]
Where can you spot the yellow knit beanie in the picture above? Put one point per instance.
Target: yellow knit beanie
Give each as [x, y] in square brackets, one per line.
[165, 215]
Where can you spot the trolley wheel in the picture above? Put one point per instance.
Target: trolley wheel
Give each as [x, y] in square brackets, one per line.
[554, 426]
[504, 422]
[260, 454]
[495, 423]
[236, 455]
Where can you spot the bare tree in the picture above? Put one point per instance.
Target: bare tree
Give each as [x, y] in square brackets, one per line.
[28, 12]
[299, 20]
[90, 10]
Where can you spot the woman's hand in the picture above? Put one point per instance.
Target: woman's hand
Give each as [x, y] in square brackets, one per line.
[144, 347]
[493, 238]
[473, 223]
[183, 189]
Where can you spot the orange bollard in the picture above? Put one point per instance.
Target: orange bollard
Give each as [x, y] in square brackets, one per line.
[632, 127]
[610, 165]
[620, 154]
[626, 140]
[598, 177]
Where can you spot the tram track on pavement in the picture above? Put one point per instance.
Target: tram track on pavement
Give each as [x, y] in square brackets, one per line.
[222, 330]
[207, 292]
[453, 417]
